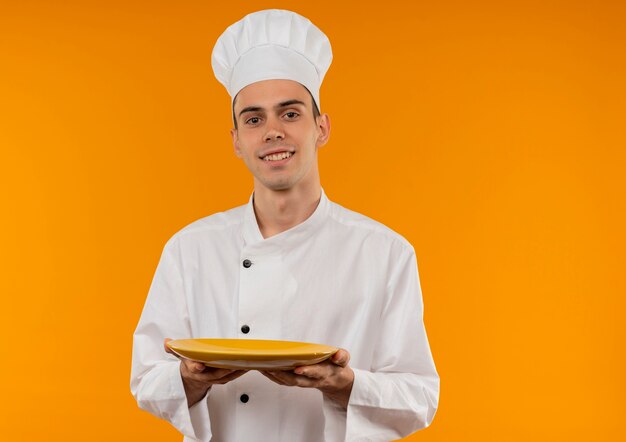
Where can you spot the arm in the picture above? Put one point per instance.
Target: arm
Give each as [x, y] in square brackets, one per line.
[162, 385]
[400, 393]
[198, 378]
[334, 378]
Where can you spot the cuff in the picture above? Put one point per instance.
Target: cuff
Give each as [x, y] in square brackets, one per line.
[386, 406]
[192, 421]
[334, 421]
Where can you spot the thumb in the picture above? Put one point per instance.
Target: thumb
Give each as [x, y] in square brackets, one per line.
[197, 367]
[341, 358]
[165, 346]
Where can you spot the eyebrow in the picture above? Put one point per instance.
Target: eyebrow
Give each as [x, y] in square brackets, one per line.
[278, 106]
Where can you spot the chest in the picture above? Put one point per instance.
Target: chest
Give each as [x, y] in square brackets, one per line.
[325, 291]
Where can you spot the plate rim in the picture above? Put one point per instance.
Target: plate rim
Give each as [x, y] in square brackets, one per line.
[260, 355]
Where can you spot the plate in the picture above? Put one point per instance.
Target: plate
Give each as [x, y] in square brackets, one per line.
[251, 354]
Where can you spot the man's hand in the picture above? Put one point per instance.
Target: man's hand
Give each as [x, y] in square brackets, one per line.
[334, 378]
[198, 378]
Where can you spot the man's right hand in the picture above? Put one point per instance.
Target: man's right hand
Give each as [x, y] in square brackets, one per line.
[198, 378]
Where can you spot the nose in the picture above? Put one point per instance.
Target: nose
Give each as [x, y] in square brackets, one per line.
[274, 130]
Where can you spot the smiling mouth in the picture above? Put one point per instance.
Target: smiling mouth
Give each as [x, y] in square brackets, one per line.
[277, 156]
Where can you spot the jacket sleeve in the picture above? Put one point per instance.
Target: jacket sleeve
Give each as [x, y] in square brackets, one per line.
[399, 393]
[156, 382]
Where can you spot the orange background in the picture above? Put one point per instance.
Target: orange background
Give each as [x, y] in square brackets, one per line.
[490, 134]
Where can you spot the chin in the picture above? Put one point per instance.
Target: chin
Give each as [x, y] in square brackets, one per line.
[279, 188]
[279, 185]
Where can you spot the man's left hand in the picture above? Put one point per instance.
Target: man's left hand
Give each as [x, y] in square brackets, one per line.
[333, 377]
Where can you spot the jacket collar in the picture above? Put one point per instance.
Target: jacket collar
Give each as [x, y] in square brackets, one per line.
[254, 241]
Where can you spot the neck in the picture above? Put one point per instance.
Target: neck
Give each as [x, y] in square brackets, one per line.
[280, 210]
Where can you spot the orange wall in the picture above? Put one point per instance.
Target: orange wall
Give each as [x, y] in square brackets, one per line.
[489, 133]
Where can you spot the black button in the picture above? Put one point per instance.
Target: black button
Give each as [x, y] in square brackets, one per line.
[245, 329]
[247, 263]
[244, 398]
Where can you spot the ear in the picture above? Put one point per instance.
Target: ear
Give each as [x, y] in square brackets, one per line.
[235, 136]
[323, 129]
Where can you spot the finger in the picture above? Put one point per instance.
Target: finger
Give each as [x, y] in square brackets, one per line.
[167, 349]
[208, 375]
[270, 375]
[317, 371]
[294, 380]
[282, 377]
[193, 366]
[289, 378]
[230, 377]
[341, 358]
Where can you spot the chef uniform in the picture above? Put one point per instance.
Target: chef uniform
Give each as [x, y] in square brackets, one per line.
[338, 278]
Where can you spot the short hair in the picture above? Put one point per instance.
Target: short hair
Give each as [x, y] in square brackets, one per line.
[316, 110]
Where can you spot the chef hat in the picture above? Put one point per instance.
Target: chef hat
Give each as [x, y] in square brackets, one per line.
[272, 45]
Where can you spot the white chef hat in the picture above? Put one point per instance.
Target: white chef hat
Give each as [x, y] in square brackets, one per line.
[272, 44]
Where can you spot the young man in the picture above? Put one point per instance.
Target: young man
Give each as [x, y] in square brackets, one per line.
[289, 265]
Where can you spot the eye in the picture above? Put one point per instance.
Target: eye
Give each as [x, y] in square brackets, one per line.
[253, 120]
[291, 115]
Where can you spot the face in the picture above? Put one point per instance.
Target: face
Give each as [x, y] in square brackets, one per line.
[277, 135]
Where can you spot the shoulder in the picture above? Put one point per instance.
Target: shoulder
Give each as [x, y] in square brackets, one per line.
[362, 225]
[217, 225]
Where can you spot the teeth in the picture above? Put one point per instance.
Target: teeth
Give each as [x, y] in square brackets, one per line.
[277, 156]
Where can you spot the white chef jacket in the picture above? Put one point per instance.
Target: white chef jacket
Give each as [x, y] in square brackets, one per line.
[338, 278]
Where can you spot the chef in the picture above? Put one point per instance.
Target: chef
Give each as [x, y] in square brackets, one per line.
[288, 265]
